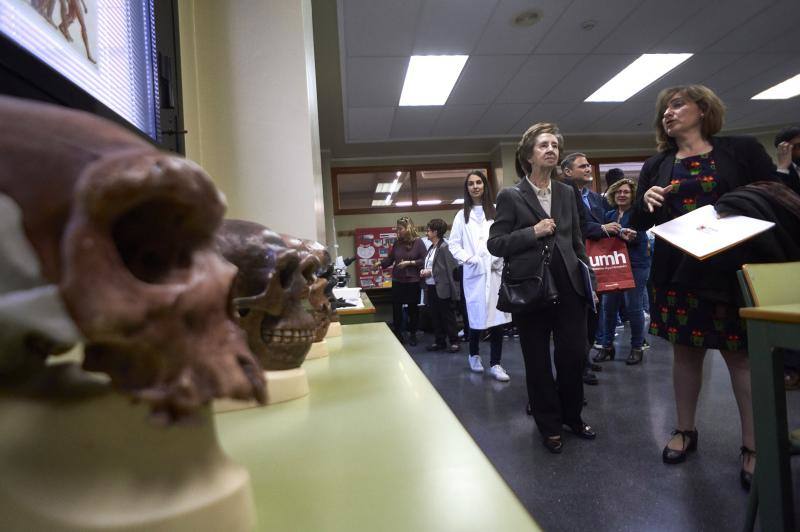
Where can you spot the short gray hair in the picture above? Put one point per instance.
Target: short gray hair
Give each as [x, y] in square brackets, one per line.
[569, 159]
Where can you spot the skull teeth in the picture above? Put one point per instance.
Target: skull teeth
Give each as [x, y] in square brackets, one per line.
[289, 336]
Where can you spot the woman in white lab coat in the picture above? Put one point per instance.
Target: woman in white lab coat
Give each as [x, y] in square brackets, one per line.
[482, 272]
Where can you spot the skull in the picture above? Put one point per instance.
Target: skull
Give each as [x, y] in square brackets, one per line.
[270, 292]
[321, 289]
[122, 235]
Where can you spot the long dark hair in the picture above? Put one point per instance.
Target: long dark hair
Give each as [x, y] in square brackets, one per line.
[486, 200]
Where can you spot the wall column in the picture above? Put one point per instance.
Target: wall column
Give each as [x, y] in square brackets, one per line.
[250, 99]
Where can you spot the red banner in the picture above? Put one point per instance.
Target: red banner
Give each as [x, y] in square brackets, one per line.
[372, 245]
[609, 259]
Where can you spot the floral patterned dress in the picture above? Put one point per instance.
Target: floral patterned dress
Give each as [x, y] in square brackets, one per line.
[677, 314]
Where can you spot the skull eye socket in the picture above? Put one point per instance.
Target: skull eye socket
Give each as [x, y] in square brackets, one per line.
[157, 239]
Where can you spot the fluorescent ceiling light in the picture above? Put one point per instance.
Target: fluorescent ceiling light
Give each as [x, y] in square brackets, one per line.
[429, 202]
[782, 91]
[403, 204]
[381, 203]
[459, 201]
[383, 188]
[430, 78]
[636, 76]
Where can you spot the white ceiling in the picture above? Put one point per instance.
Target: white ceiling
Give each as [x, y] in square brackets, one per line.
[517, 76]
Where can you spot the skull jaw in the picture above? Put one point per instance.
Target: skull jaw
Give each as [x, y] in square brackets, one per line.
[279, 343]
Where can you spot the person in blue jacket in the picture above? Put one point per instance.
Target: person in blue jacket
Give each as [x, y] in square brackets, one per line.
[620, 195]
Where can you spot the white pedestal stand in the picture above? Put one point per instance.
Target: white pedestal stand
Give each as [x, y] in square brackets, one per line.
[94, 461]
[318, 350]
[283, 385]
[334, 329]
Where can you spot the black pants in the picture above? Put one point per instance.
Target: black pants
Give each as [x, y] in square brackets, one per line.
[559, 400]
[444, 321]
[592, 322]
[405, 294]
[495, 343]
[462, 307]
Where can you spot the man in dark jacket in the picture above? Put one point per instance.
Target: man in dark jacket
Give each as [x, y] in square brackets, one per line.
[577, 171]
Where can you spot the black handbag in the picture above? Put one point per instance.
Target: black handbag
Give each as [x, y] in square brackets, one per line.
[531, 293]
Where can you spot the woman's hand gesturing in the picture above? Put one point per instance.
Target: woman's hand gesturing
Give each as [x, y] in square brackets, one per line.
[654, 197]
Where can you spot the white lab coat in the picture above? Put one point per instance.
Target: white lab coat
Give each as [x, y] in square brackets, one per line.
[482, 271]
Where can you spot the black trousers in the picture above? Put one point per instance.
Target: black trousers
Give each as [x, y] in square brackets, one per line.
[559, 400]
[444, 321]
[462, 307]
[408, 294]
[495, 343]
[592, 321]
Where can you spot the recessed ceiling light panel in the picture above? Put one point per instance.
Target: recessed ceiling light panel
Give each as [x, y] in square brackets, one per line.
[782, 91]
[642, 72]
[430, 79]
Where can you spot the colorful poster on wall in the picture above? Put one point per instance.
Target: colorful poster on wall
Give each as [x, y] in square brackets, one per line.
[372, 246]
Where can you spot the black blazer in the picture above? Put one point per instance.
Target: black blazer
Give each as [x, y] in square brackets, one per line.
[591, 219]
[443, 266]
[512, 237]
[791, 180]
[740, 160]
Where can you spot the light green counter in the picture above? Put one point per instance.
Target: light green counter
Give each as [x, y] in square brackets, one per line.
[372, 448]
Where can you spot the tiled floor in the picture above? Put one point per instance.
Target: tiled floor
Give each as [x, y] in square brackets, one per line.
[617, 482]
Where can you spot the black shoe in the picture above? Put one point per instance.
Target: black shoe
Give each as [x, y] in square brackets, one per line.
[595, 367]
[582, 430]
[606, 353]
[554, 445]
[412, 339]
[435, 347]
[671, 456]
[528, 409]
[590, 378]
[635, 356]
[453, 348]
[744, 477]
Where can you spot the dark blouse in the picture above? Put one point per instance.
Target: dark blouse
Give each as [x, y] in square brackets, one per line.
[400, 252]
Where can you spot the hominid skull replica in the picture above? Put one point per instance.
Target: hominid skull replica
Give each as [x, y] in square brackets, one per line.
[270, 292]
[321, 289]
[113, 245]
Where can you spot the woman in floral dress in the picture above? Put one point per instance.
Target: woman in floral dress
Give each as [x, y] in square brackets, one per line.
[694, 304]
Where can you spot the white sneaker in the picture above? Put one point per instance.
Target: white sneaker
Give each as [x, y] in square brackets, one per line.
[499, 373]
[475, 363]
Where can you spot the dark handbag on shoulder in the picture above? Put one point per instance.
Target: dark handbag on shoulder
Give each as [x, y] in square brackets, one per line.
[531, 293]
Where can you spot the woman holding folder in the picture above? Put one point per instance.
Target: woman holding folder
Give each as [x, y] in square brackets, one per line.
[694, 304]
